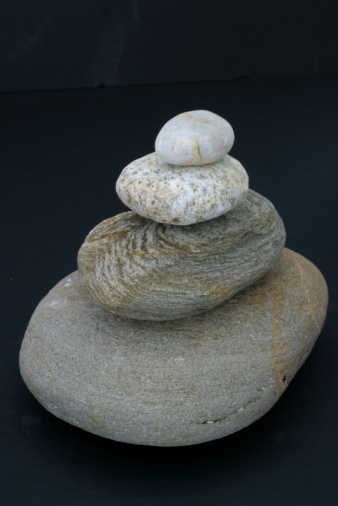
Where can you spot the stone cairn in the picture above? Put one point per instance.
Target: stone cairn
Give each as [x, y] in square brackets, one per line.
[187, 318]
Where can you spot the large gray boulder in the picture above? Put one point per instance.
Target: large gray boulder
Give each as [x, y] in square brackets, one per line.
[142, 269]
[177, 382]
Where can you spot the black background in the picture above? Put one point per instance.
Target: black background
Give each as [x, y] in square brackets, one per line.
[61, 155]
[55, 44]
[61, 152]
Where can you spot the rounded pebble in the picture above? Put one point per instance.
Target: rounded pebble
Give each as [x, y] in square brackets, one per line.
[182, 195]
[194, 138]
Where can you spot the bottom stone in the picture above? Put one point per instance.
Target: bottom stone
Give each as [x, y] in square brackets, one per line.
[178, 382]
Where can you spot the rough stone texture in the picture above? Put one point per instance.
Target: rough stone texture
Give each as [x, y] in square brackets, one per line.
[181, 195]
[173, 383]
[194, 138]
[138, 268]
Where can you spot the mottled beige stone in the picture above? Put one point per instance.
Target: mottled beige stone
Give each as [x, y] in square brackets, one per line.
[173, 383]
[138, 268]
[182, 195]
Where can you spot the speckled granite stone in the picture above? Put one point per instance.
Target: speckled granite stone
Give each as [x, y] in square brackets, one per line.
[194, 138]
[138, 268]
[173, 383]
[181, 195]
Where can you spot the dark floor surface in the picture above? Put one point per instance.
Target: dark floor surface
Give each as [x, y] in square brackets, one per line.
[60, 154]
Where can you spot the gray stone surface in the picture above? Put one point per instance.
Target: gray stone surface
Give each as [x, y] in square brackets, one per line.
[182, 195]
[138, 268]
[173, 383]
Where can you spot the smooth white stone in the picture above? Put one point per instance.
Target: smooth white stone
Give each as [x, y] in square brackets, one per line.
[182, 195]
[194, 138]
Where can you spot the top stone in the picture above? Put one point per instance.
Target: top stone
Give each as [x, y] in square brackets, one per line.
[194, 138]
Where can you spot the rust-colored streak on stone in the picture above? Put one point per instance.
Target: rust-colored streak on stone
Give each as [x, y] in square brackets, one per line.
[278, 347]
[307, 288]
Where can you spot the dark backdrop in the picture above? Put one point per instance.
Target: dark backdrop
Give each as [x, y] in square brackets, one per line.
[60, 154]
[55, 44]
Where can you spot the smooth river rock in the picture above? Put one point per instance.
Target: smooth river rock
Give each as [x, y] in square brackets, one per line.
[138, 268]
[173, 383]
[181, 195]
[194, 138]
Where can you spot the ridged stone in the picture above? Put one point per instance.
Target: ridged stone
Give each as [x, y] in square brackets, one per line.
[138, 268]
[181, 195]
[173, 383]
[194, 138]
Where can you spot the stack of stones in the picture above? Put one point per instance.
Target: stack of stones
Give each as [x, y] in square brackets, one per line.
[187, 318]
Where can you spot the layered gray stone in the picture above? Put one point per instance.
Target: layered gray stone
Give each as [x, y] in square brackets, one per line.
[138, 268]
[179, 382]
